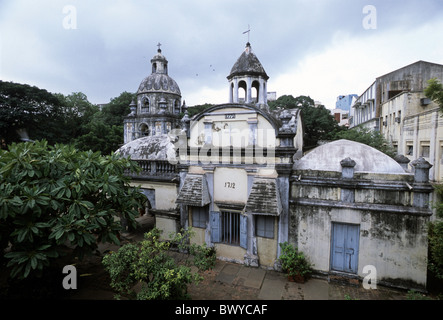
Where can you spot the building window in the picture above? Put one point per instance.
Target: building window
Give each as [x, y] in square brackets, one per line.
[409, 150]
[144, 130]
[176, 107]
[158, 128]
[424, 150]
[264, 226]
[230, 227]
[199, 216]
[395, 146]
[145, 107]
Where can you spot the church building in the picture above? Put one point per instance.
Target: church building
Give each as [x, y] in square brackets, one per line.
[237, 175]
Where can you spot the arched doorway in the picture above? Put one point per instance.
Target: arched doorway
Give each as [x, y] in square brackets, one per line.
[144, 130]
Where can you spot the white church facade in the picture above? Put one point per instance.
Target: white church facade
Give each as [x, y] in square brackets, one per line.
[236, 174]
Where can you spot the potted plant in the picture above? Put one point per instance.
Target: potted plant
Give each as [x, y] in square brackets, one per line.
[295, 263]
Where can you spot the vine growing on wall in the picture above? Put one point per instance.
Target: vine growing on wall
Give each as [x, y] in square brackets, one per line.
[435, 236]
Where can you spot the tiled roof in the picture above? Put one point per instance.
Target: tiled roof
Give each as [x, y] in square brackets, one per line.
[194, 191]
[264, 197]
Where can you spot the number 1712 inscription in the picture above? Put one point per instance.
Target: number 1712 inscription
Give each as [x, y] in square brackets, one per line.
[230, 185]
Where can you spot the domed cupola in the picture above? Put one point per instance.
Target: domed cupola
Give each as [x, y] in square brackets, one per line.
[158, 106]
[248, 74]
[159, 80]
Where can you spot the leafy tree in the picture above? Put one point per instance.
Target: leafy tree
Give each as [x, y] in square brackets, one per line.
[434, 91]
[100, 137]
[289, 102]
[150, 263]
[77, 112]
[103, 131]
[116, 110]
[53, 196]
[198, 108]
[369, 137]
[318, 123]
[27, 107]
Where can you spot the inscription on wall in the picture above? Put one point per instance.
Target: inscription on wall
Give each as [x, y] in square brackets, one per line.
[230, 185]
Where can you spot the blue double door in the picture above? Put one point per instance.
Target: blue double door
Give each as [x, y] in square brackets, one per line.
[344, 247]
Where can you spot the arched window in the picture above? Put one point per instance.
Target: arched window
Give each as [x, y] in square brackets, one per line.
[256, 86]
[145, 107]
[144, 130]
[242, 90]
[176, 107]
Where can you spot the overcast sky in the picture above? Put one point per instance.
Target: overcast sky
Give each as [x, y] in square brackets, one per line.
[320, 48]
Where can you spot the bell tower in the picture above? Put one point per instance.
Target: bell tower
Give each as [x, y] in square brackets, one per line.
[248, 80]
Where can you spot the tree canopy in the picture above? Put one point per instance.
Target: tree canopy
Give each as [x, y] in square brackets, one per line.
[318, 123]
[198, 108]
[369, 137]
[434, 91]
[58, 118]
[57, 196]
[27, 107]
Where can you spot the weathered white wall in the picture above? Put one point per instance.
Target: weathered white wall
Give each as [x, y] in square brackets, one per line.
[165, 193]
[267, 248]
[394, 243]
[230, 185]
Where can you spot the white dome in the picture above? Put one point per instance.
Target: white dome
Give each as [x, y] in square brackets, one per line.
[157, 147]
[327, 158]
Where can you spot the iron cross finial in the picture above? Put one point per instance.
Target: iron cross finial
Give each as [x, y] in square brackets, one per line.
[248, 31]
[159, 45]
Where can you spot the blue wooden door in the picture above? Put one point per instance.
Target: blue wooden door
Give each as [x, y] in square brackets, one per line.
[344, 248]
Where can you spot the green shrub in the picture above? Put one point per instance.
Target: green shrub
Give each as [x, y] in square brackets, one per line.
[294, 262]
[151, 264]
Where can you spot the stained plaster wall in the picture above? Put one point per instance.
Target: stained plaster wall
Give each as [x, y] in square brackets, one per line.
[395, 243]
[166, 217]
[392, 238]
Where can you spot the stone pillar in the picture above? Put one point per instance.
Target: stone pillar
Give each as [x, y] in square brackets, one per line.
[403, 161]
[284, 173]
[248, 90]
[209, 175]
[265, 93]
[347, 173]
[183, 171]
[235, 90]
[421, 172]
[421, 186]
[347, 168]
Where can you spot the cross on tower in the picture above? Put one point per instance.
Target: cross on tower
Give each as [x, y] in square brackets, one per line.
[248, 31]
[159, 45]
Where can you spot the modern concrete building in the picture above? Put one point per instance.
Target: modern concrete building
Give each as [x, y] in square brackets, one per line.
[396, 106]
[344, 102]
